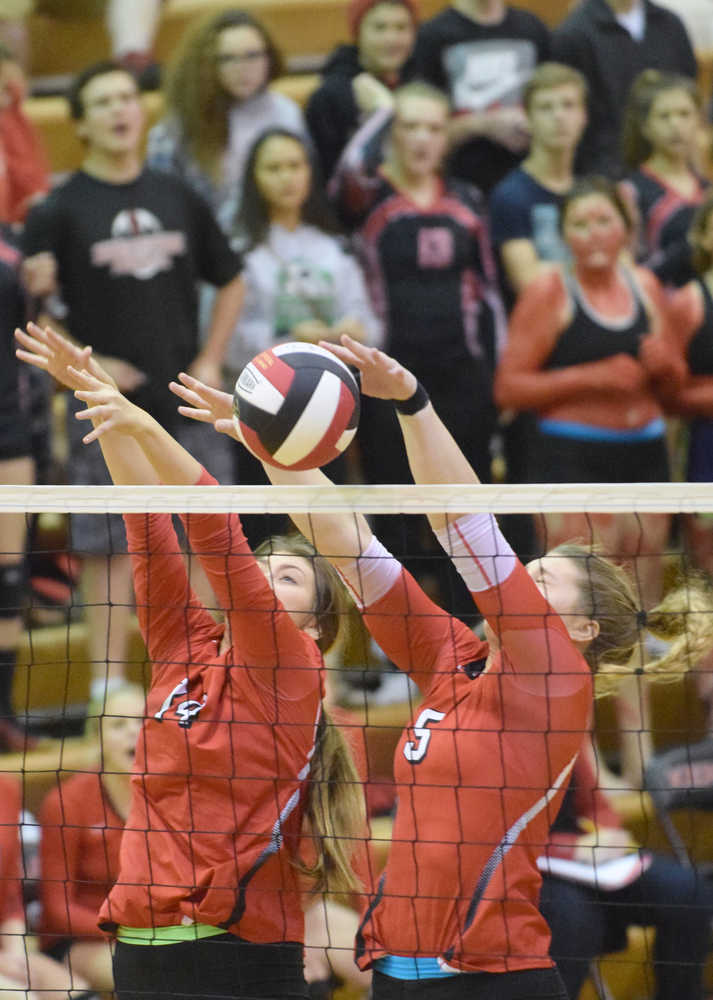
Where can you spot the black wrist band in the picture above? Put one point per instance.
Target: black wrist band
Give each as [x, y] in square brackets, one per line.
[414, 404]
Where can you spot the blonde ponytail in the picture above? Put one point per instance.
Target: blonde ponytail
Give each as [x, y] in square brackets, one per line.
[684, 618]
[335, 813]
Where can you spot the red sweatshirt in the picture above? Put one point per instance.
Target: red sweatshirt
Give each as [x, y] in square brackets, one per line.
[81, 837]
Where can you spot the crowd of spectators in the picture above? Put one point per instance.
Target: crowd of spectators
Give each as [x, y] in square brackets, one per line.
[522, 216]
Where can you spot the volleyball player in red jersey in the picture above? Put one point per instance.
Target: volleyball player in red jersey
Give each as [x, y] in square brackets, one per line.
[208, 900]
[482, 770]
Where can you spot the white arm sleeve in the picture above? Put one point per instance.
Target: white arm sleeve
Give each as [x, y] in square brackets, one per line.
[372, 575]
[478, 550]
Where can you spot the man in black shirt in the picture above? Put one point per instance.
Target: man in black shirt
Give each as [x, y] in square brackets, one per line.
[128, 247]
[482, 53]
[611, 42]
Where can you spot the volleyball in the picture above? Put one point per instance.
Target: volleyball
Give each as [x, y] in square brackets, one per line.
[296, 405]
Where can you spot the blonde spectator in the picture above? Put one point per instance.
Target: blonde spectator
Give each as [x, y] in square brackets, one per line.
[82, 822]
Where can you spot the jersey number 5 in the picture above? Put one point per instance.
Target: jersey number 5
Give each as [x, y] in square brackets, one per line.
[416, 751]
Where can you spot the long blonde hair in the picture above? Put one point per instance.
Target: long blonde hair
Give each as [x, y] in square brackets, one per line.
[335, 814]
[684, 618]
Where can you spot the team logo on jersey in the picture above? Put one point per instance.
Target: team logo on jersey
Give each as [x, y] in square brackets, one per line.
[139, 246]
[435, 247]
[185, 710]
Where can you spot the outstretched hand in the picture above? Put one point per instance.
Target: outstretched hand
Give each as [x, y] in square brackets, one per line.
[381, 376]
[205, 404]
[44, 348]
[106, 408]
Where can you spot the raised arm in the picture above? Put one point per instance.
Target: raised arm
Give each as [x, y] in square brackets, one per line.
[521, 619]
[168, 610]
[412, 630]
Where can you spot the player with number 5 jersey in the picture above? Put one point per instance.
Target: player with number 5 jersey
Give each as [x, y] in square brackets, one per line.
[483, 767]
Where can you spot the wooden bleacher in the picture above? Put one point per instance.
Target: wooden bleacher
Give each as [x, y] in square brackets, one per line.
[305, 30]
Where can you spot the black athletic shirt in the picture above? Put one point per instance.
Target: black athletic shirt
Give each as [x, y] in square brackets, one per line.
[590, 337]
[130, 257]
[481, 67]
[666, 217]
[431, 276]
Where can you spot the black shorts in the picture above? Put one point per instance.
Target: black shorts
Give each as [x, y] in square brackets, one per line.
[212, 968]
[530, 984]
[555, 459]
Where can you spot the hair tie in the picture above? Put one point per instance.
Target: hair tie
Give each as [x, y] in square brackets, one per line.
[639, 671]
[641, 619]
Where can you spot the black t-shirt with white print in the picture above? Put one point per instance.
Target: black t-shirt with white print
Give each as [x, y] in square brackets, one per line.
[481, 67]
[129, 258]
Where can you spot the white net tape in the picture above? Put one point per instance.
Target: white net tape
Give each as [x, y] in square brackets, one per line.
[641, 498]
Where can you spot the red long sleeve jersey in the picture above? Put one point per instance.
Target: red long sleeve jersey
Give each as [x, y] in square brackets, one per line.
[81, 838]
[480, 775]
[224, 753]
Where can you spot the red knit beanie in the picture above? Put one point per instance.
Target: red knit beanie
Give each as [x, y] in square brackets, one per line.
[357, 9]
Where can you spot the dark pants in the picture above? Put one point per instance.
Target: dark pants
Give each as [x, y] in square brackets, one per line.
[586, 923]
[532, 984]
[212, 968]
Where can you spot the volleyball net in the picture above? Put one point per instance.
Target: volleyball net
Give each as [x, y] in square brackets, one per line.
[661, 533]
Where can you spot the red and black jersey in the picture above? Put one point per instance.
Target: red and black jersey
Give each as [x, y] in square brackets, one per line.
[224, 754]
[666, 216]
[431, 275]
[480, 776]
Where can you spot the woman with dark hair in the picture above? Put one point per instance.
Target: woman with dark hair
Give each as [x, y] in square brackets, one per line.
[236, 757]
[589, 351]
[659, 145]
[300, 281]
[217, 101]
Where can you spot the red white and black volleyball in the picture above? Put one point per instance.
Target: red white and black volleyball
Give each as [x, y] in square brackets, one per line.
[297, 406]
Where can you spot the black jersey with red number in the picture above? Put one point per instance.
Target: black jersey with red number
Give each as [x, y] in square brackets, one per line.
[431, 274]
